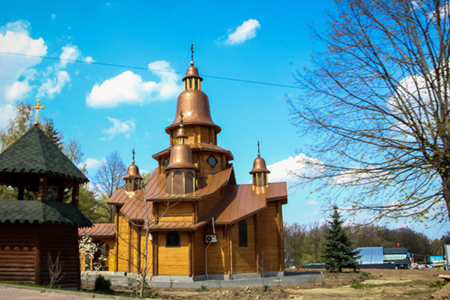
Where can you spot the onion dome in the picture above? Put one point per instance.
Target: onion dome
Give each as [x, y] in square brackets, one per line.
[193, 102]
[181, 154]
[260, 172]
[133, 177]
[259, 166]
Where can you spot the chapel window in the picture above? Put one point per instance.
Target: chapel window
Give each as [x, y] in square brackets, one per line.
[173, 239]
[165, 163]
[189, 183]
[212, 161]
[178, 183]
[242, 233]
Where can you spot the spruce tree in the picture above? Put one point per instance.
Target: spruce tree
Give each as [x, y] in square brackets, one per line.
[338, 252]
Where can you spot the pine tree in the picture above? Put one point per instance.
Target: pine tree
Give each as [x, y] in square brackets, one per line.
[338, 252]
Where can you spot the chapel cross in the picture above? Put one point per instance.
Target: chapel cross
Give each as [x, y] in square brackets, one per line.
[192, 52]
[38, 107]
[133, 155]
[259, 154]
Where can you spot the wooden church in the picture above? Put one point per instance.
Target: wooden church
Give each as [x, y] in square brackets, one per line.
[32, 233]
[201, 223]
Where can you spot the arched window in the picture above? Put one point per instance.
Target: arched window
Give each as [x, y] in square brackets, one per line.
[169, 184]
[189, 182]
[242, 233]
[173, 239]
[178, 183]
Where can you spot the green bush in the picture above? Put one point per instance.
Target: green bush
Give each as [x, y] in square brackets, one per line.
[203, 288]
[102, 284]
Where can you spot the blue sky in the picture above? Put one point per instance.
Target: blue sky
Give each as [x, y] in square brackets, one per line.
[107, 108]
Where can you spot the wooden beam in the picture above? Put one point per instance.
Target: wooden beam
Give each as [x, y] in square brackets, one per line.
[42, 190]
[76, 254]
[281, 238]
[129, 247]
[75, 192]
[155, 252]
[279, 235]
[116, 262]
[21, 192]
[139, 249]
[193, 254]
[37, 266]
[61, 193]
[255, 220]
[190, 252]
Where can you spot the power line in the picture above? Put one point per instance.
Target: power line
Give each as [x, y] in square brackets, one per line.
[148, 69]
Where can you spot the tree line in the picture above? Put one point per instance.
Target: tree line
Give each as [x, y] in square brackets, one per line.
[305, 244]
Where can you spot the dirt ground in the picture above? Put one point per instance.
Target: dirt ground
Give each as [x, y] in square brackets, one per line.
[368, 284]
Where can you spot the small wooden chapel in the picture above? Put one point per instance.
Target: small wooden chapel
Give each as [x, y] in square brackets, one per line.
[33, 232]
[202, 223]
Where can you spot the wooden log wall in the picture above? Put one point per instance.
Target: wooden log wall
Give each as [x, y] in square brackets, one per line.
[181, 212]
[123, 237]
[62, 240]
[268, 242]
[19, 253]
[173, 260]
[243, 258]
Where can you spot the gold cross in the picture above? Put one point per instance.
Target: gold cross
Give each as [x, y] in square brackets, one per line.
[38, 107]
[133, 155]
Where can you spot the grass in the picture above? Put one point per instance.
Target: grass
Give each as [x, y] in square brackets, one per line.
[357, 285]
[438, 284]
[203, 288]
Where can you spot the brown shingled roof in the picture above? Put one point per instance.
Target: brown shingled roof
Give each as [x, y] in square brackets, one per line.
[156, 186]
[241, 201]
[98, 231]
[119, 197]
[134, 209]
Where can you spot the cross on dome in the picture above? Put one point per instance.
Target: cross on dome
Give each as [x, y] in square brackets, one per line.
[38, 107]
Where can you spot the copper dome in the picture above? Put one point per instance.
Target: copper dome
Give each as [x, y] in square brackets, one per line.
[181, 133]
[195, 107]
[259, 166]
[192, 72]
[133, 172]
[181, 158]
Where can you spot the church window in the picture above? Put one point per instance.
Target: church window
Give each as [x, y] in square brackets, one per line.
[169, 184]
[165, 163]
[189, 182]
[242, 233]
[173, 239]
[178, 183]
[212, 161]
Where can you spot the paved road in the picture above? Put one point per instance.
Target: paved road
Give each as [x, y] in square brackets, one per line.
[13, 292]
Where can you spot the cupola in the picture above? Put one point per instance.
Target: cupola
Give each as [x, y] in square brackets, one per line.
[133, 178]
[181, 171]
[193, 102]
[260, 172]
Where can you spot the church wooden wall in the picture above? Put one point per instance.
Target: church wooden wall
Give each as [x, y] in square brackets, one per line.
[24, 249]
[173, 260]
[217, 252]
[268, 238]
[18, 253]
[123, 236]
[244, 258]
[149, 253]
[199, 252]
[181, 212]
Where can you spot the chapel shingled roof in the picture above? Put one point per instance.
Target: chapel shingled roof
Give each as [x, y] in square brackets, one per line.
[104, 230]
[34, 152]
[49, 212]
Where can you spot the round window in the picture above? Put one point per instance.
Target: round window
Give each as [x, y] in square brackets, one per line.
[165, 163]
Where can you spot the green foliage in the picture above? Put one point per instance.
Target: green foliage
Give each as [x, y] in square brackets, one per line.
[102, 284]
[356, 284]
[338, 252]
[150, 294]
[438, 284]
[266, 288]
[203, 288]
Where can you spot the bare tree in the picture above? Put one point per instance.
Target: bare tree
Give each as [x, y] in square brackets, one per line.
[377, 104]
[294, 236]
[109, 177]
[54, 269]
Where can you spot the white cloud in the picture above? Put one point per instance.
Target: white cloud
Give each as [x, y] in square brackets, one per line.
[288, 169]
[54, 86]
[53, 16]
[14, 38]
[358, 176]
[92, 163]
[125, 128]
[312, 202]
[314, 213]
[244, 32]
[129, 88]
[88, 59]
[70, 53]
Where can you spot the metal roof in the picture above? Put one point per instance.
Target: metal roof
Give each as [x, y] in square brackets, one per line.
[49, 212]
[104, 230]
[34, 153]
[156, 186]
